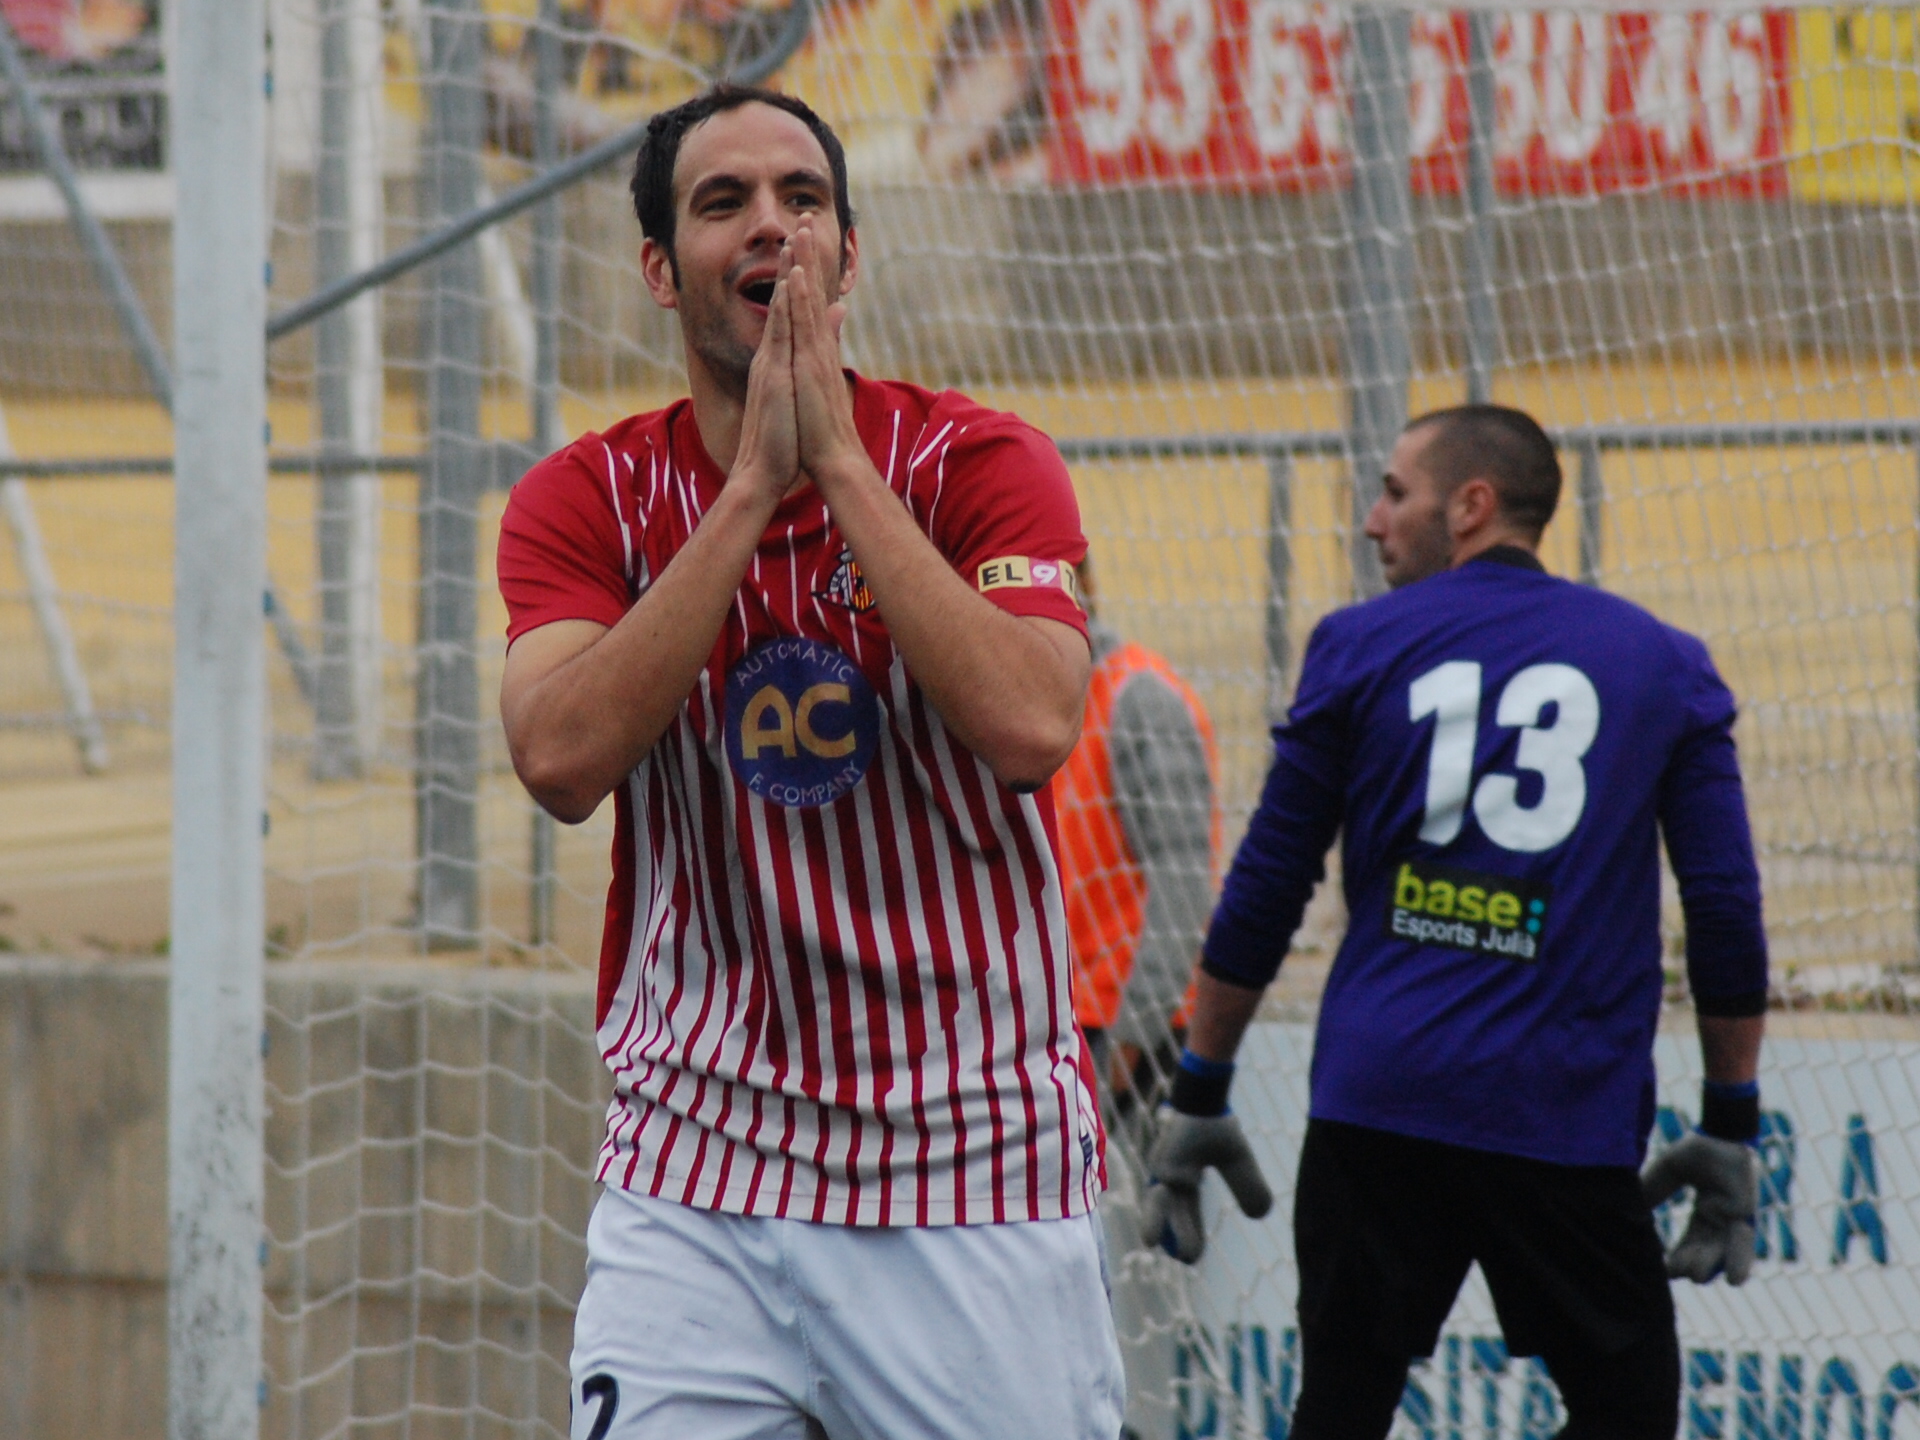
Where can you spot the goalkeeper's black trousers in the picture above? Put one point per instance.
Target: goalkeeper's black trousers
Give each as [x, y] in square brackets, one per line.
[1385, 1228]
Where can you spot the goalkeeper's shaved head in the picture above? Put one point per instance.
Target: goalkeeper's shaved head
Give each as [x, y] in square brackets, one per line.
[1498, 444]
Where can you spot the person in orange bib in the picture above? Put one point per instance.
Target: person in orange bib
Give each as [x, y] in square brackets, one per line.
[1139, 831]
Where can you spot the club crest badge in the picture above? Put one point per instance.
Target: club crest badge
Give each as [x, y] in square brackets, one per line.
[803, 724]
[846, 587]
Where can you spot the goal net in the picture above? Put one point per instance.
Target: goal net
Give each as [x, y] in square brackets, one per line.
[1220, 249]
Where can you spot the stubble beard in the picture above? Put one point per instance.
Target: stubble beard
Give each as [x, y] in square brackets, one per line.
[706, 333]
[721, 353]
[1430, 552]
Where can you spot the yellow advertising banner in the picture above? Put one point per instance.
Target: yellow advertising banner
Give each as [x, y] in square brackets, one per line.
[1856, 105]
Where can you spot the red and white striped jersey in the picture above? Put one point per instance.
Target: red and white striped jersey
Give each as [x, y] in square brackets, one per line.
[834, 984]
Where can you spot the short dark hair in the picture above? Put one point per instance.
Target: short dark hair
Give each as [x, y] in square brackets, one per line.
[1498, 444]
[652, 183]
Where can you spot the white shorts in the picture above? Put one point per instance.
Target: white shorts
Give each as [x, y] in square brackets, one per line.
[729, 1327]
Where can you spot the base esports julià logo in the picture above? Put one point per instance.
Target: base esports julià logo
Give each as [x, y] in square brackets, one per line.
[1466, 910]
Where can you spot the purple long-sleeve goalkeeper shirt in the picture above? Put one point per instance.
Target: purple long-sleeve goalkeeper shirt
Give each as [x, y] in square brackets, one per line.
[1501, 752]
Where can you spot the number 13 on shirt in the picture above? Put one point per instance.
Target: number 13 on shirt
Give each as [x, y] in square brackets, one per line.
[1451, 694]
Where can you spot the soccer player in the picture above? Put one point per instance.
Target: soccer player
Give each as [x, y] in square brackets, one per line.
[1501, 752]
[1138, 833]
[817, 635]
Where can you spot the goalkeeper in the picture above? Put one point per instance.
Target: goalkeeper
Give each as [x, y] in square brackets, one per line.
[1500, 752]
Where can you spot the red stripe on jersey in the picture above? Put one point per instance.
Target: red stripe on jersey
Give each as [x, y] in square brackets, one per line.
[828, 889]
[1011, 916]
[692, 1185]
[651, 1018]
[897, 866]
[972, 938]
[718, 897]
[824, 938]
[677, 908]
[618, 970]
[880, 1007]
[768, 1030]
[759, 1158]
[786, 1161]
[925, 865]
[801, 1011]
[988, 812]
[618, 935]
[982, 944]
[728, 1152]
[697, 907]
[1038, 871]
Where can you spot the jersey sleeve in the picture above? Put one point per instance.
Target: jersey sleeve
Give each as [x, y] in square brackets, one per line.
[1007, 520]
[1284, 854]
[566, 552]
[1703, 816]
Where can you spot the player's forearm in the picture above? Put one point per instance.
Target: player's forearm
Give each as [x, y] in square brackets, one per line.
[1007, 692]
[1730, 1047]
[577, 726]
[1221, 1014]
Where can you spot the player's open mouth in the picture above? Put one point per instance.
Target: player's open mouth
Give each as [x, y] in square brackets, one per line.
[759, 292]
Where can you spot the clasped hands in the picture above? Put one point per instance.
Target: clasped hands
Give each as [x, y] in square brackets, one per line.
[799, 412]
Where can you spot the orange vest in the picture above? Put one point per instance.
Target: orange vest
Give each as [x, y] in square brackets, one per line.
[1106, 888]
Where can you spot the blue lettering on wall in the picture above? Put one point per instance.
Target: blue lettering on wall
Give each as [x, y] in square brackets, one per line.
[1902, 1384]
[1838, 1385]
[1417, 1406]
[1262, 1376]
[1489, 1360]
[1246, 1383]
[1788, 1417]
[1193, 1378]
[1451, 1349]
[1278, 1385]
[1773, 1222]
[1706, 1369]
[1447, 1416]
[1859, 1212]
[1539, 1404]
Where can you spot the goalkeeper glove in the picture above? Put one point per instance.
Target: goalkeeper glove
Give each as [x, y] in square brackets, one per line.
[1718, 1160]
[1196, 1133]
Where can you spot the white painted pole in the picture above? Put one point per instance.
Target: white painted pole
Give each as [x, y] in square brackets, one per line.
[215, 1083]
[367, 81]
[350, 386]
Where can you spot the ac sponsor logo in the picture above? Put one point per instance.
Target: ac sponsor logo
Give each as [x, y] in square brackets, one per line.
[802, 723]
[1464, 910]
[1024, 572]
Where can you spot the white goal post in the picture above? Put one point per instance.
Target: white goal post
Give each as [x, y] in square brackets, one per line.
[216, 1001]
